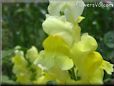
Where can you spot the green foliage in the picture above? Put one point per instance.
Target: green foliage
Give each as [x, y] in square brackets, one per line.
[22, 24]
[109, 39]
[5, 80]
[7, 64]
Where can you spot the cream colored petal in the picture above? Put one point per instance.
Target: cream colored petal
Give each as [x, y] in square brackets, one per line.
[54, 25]
[32, 54]
[70, 8]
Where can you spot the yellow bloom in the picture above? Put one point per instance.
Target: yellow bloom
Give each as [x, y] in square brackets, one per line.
[55, 55]
[89, 63]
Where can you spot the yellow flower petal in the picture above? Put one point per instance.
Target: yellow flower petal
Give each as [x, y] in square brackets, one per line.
[86, 45]
[108, 67]
[89, 64]
[56, 44]
[97, 77]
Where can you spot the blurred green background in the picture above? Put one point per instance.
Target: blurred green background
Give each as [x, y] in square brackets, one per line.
[22, 25]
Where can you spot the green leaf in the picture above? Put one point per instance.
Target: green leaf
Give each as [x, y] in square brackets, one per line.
[109, 39]
[110, 56]
[6, 80]
[6, 53]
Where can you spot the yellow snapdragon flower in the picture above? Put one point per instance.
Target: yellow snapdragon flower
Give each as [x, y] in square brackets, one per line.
[89, 63]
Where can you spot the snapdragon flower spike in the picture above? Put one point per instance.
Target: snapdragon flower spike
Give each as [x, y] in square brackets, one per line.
[24, 69]
[20, 68]
[63, 48]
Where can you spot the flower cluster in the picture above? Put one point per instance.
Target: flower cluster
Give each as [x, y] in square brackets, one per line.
[65, 49]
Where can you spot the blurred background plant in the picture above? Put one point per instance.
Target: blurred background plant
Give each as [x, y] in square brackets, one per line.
[22, 25]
